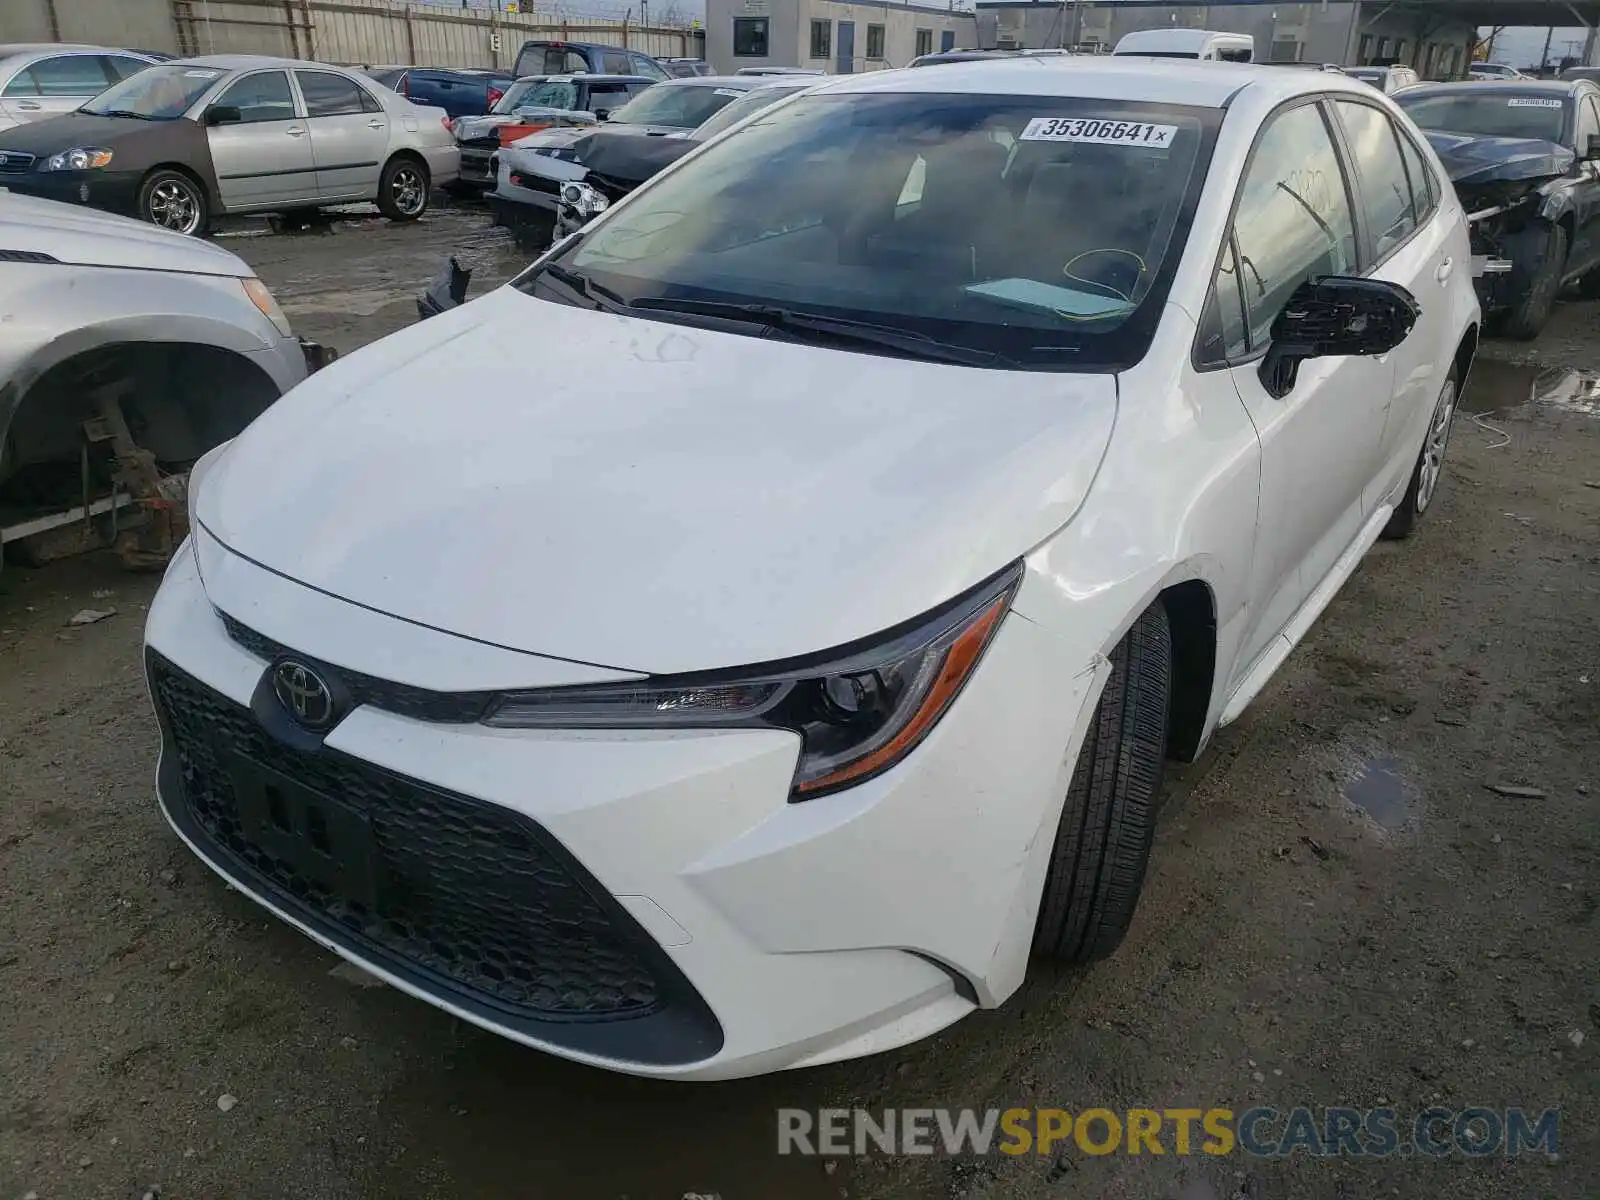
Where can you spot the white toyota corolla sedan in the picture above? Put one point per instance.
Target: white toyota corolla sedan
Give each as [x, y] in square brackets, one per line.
[747, 638]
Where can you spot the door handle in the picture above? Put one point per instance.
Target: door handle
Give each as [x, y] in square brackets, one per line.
[1446, 269]
[376, 125]
[30, 105]
[295, 131]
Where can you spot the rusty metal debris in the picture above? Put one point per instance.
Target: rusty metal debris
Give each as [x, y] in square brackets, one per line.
[149, 545]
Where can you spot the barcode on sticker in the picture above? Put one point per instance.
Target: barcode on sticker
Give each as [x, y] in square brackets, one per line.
[1530, 102]
[727, 92]
[1101, 131]
[201, 74]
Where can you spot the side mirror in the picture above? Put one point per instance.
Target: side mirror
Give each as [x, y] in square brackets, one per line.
[602, 114]
[1334, 316]
[223, 114]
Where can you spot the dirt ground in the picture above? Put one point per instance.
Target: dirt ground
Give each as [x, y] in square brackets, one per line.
[1340, 911]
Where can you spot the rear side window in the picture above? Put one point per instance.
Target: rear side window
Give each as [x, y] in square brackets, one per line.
[1293, 221]
[119, 66]
[330, 95]
[1385, 189]
[1424, 187]
[614, 62]
[647, 67]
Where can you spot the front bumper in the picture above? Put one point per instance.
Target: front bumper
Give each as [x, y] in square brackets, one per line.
[772, 935]
[113, 191]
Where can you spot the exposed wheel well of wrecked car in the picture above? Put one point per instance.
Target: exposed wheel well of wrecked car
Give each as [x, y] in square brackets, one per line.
[179, 399]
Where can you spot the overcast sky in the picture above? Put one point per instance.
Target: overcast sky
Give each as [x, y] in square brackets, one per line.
[1521, 47]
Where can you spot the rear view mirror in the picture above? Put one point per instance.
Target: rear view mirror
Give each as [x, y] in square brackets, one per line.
[223, 114]
[602, 114]
[1334, 316]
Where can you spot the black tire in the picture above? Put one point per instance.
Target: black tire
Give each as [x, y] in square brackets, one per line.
[1543, 247]
[174, 200]
[1429, 469]
[1103, 842]
[403, 189]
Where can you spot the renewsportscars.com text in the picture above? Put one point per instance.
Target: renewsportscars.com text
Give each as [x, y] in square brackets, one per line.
[1259, 1132]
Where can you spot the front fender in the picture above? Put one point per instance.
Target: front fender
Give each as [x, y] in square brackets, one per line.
[63, 311]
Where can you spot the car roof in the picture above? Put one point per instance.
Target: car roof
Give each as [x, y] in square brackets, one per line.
[577, 76]
[1512, 87]
[728, 81]
[1108, 77]
[241, 62]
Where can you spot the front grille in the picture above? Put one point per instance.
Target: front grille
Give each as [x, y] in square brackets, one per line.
[14, 161]
[445, 708]
[475, 896]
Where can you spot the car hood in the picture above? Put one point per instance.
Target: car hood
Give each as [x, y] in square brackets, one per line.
[89, 238]
[55, 134]
[647, 496]
[1473, 160]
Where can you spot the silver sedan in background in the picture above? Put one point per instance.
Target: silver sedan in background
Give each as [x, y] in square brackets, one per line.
[234, 133]
[45, 79]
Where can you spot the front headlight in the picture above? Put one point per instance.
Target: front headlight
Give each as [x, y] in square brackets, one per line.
[858, 710]
[585, 199]
[262, 298]
[79, 158]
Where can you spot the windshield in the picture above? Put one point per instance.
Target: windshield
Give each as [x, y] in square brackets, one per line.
[1041, 231]
[1493, 113]
[737, 110]
[680, 106]
[159, 93]
[537, 93]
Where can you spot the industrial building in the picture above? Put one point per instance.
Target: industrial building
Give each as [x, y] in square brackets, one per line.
[1434, 36]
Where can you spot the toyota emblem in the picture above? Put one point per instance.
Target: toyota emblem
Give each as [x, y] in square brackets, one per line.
[304, 693]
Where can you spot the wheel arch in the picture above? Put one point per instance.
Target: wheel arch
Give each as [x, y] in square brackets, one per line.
[1192, 617]
[208, 189]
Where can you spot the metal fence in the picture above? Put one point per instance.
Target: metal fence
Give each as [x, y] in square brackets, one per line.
[353, 32]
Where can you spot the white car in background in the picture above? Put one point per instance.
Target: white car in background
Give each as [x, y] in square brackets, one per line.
[779, 636]
[45, 79]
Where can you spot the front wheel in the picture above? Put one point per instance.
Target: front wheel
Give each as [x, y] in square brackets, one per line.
[403, 190]
[1426, 474]
[1539, 259]
[1103, 841]
[173, 201]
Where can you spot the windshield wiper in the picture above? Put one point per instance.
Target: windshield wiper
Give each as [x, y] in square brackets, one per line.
[118, 112]
[840, 329]
[591, 291]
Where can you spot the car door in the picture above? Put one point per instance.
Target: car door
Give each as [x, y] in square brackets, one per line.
[1294, 220]
[1404, 246]
[263, 158]
[53, 85]
[349, 135]
[1584, 253]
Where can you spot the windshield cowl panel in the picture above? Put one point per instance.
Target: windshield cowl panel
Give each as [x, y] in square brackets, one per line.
[1041, 231]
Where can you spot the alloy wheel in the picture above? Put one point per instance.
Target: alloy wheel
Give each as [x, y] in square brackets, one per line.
[174, 205]
[1433, 450]
[408, 191]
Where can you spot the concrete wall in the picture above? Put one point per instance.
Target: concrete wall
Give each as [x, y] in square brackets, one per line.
[337, 31]
[789, 32]
[1305, 32]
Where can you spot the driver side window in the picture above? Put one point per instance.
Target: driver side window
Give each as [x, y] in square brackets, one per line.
[1293, 221]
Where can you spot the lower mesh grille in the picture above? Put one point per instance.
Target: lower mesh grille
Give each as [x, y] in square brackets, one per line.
[472, 901]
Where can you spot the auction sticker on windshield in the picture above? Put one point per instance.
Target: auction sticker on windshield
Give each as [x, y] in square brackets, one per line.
[1099, 130]
[1531, 102]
